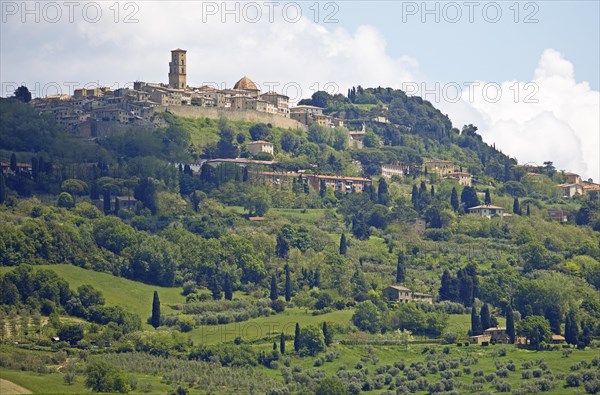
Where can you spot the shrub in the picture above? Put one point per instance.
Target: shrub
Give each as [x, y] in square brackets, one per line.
[449, 337]
[318, 362]
[278, 305]
[592, 387]
[103, 377]
[502, 386]
[526, 374]
[574, 380]
[537, 373]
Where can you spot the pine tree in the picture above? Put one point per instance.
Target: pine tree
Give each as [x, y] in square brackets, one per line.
[327, 335]
[400, 269]
[485, 317]
[297, 338]
[343, 246]
[282, 343]
[516, 207]
[475, 323]
[510, 324]
[155, 320]
[288, 284]
[454, 199]
[488, 199]
[227, 289]
[273, 294]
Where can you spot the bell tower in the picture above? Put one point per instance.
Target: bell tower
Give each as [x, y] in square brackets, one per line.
[177, 69]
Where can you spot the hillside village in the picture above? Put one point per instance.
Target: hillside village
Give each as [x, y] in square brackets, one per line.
[143, 104]
[181, 240]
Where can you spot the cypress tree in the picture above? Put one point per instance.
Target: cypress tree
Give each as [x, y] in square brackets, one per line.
[155, 320]
[13, 162]
[447, 289]
[414, 196]
[510, 324]
[343, 246]
[528, 211]
[485, 317]
[274, 345]
[454, 199]
[516, 207]
[475, 323]
[327, 335]
[106, 202]
[117, 205]
[383, 196]
[227, 290]
[3, 189]
[488, 198]
[273, 294]
[552, 314]
[572, 329]
[297, 338]
[288, 284]
[282, 343]
[400, 270]
[35, 169]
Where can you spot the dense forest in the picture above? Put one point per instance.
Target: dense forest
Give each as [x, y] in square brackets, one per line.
[222, 248]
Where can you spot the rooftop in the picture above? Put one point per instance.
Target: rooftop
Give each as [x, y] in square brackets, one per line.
[246, 84]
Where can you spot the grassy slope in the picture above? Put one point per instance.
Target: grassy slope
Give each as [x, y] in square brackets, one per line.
[134, 296]
[261, 327]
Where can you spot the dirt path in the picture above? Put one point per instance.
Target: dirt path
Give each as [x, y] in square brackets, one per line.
[10, 388]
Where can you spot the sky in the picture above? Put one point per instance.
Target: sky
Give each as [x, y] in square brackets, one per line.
[526, 73]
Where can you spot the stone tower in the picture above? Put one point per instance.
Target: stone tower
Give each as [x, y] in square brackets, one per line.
[177, 67]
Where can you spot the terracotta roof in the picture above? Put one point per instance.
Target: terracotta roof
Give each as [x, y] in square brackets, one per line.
[344, 178]
[399, 287]
[490, 206]
[496, 328]
[245, 83]
[179, 50]
[260, 142]
[558, 337]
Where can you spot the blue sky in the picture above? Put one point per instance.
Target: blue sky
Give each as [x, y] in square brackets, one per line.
[464, 51]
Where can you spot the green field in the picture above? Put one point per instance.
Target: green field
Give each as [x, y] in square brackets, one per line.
[134, 296]
[261, 327]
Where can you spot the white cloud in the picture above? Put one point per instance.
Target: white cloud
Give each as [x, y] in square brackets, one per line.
[553, 117]
[563, 126]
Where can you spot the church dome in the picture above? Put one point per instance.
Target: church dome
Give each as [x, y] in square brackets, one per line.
[246, 84]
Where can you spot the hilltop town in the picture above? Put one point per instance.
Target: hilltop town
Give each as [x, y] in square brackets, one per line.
[140, 103]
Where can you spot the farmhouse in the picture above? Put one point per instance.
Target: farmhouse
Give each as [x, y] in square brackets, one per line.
[487, 210]
[401, 294]
[259, 146]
